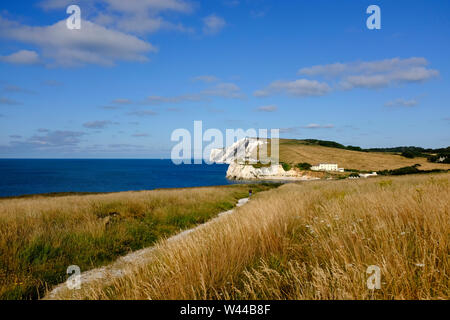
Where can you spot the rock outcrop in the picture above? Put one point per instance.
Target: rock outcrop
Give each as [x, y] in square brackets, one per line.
[242, 158]
[242, 150]
[237, 171]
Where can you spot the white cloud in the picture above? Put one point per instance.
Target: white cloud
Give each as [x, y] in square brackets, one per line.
[318, 126]
[143, 113]
[93, 44]
[122, 101]
[402, 103]
[138, 16]
[16, 89]
[312, 126]
[124, 6]
[9, 102]
[57, 138]
[205, 78]
[22, 57]
[140, 135]
[225, 90]
[213, 24]
[97, 124]
[368, 67]
[175, 99]
[271, 108]
[375, 74]
[300, 87]
[416, 74]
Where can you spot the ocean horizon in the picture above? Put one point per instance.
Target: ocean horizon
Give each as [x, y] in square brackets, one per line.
[39, 176]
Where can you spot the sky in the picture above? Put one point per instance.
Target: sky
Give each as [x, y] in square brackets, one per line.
[139, 69]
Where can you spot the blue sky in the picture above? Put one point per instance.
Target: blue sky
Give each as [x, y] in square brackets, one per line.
[137, 70]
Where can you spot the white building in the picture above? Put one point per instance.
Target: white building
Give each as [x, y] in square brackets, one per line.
[327, 167]
[367, 175]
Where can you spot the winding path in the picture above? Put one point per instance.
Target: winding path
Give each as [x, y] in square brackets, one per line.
[115, 269]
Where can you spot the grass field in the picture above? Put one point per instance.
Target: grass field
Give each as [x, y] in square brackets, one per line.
[40, 236]
[296, 151]
[310, 240]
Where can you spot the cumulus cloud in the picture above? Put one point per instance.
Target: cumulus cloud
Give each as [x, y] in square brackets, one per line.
[57, 138]
[225, 90]
[122, 101]
[16, 89]
[368, 67]
[318, 126]
[129, 5]
[205, 78]
[213, 24]
[26, 57]
[140, 135]
[412, 75]
[156, 100]
[402, 103]
[271, 108]
[300, 87]
[9, 102]
[97, 124]
[92, 44]
[312, 126]
[289, 130]
[110, 107]
[137, 16]
[143, 113]
[374, 74]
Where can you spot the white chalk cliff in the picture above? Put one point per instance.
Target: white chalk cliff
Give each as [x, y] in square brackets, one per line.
[243, 150]
[242, 153]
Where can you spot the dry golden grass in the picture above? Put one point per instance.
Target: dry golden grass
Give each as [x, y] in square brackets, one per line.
[41, 236]
[311, 240]
[294, 153]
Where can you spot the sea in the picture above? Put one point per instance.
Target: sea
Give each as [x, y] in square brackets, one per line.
[38, 176]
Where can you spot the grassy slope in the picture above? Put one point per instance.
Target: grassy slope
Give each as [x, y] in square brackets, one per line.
[41, 236]
[296, 151]
[312, 240]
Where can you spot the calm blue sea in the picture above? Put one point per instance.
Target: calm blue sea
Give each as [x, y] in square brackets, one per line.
[32, 176]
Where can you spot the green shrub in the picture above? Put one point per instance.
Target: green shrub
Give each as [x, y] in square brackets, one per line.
[286, 166]
[407, 170]
[408, 154]
[304, 166]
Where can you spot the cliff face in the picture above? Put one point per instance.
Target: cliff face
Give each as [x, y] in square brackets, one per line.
[244, 151]
[237, 171]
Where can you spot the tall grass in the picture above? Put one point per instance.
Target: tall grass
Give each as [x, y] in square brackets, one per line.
[312, 240]
[41, 236]
[297, 152]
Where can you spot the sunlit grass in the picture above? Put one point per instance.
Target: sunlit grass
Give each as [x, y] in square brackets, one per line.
[41, 236]
[311, 240]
